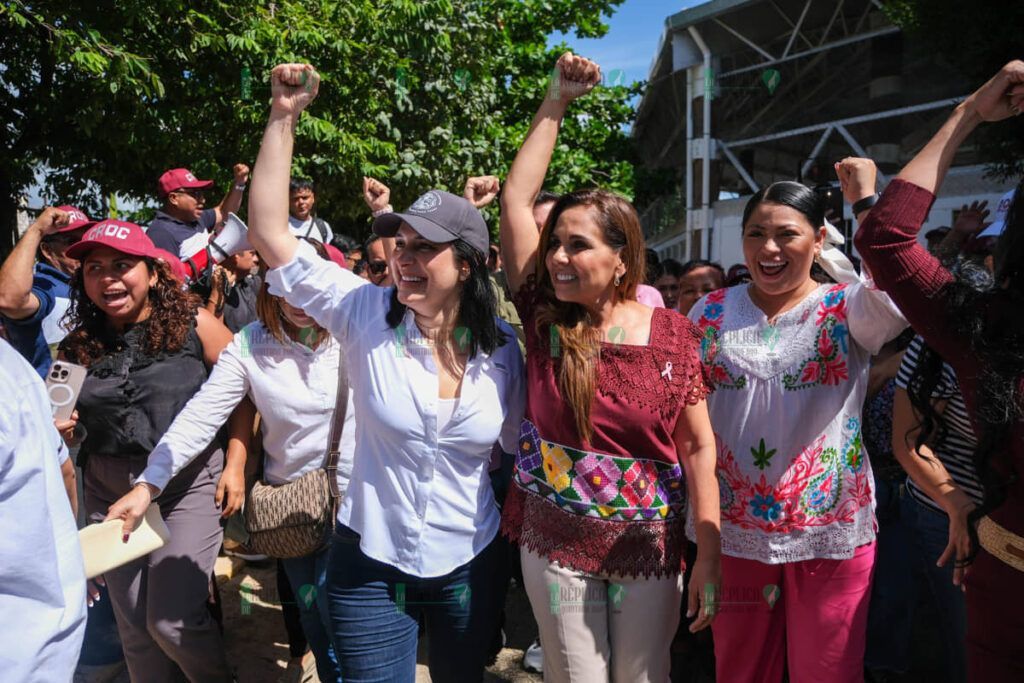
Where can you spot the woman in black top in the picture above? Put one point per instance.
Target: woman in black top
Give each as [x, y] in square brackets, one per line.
[148, 347]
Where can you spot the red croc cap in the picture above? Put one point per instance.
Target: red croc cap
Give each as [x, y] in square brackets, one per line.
[336, 255]
[119, 235]
[78, 218]
[180, 178]
[177, 267]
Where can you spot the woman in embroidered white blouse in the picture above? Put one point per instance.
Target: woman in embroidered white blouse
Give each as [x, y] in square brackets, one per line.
[436, 379]
[789, 360]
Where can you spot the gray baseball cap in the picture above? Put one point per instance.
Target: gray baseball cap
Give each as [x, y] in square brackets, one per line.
[439, 216]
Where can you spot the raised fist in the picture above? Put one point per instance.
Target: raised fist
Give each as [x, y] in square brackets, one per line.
[481, 191]
[241, 172]
[376, 194]
[293, 87]
[856, 178]
[51, 220]
[573, 77]
[1002, 96]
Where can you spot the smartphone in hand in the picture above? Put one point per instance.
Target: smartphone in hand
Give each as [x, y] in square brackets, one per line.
[63, 384]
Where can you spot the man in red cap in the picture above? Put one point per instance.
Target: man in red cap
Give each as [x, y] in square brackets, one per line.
[184, 224]
[34, 299]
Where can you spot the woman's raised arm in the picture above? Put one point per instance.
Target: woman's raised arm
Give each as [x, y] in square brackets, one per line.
[573, 77]
[293, 87]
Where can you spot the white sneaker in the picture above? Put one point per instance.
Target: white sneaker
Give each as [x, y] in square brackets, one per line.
[533, 660]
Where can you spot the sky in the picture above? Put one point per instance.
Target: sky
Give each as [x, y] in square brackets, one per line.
[632, 38]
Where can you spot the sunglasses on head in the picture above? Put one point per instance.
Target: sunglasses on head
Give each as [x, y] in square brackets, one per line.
[377, 267]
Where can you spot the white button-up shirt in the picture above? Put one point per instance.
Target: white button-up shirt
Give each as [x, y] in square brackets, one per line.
[42, 578]
[420, 497]
[294, 389]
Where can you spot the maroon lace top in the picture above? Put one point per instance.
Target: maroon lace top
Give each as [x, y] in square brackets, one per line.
[617, 505]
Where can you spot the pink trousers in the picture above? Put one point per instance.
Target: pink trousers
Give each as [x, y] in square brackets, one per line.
[810, 615]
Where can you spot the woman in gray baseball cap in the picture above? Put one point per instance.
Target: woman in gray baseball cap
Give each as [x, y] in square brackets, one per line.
[437, 379]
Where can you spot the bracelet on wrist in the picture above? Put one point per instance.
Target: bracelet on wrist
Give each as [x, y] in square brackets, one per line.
[241, 188]
[864, 204]
[380, 212]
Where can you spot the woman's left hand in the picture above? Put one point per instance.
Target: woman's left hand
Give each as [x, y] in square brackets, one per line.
[705, 581]
[231, 490]
[958, 548]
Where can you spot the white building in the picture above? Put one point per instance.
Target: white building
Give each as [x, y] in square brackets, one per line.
[743, 93]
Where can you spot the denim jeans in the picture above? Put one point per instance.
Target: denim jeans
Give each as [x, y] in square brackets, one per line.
[911, 537]
[375, 609]
[930, 533]
[893, 592]
[308, 578]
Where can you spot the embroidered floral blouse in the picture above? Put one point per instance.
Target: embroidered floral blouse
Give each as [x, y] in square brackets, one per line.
[616, 507]
[794, 480]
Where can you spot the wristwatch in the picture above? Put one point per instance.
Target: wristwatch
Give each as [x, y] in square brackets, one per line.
[864, 204]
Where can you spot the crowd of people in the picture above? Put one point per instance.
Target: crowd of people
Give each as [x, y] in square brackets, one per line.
[774, 451]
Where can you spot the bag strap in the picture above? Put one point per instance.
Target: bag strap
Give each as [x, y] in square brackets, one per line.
[337, 425]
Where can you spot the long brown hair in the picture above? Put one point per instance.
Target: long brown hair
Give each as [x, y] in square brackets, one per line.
[271, 314]
[578, 339]
[172, 313]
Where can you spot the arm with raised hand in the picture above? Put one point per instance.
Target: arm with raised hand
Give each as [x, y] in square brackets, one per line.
[377, 196]
[233, 199]
[17, 301]
[887, 239]
[969, 223]
[297, 273]
[573, 77]
[293, 87]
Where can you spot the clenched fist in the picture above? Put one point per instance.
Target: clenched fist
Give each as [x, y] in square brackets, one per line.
[574, 77]
[293, 87]
[481, 191]
[856, 178]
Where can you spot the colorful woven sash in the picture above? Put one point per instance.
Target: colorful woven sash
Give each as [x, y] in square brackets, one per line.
[596, 485]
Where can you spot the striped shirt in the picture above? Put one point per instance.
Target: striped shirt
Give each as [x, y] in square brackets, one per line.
[956, 450]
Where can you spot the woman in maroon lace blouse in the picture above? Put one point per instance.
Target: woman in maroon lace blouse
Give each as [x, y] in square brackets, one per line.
[615, 416]
[981, 334]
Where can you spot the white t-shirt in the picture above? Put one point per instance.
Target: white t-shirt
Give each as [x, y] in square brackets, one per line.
[42, 578]
[308, 228]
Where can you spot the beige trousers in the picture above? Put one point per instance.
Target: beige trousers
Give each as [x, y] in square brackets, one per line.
[597, 628]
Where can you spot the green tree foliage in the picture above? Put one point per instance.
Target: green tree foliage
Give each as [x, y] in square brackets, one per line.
[420, 93]
[976, 39]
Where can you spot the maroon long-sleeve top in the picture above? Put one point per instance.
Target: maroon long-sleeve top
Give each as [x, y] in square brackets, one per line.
[915, 280]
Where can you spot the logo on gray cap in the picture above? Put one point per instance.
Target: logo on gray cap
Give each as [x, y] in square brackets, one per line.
[427, 203]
